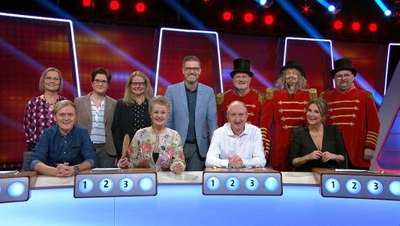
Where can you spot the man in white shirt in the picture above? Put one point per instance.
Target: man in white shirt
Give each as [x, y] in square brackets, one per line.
[236, 144]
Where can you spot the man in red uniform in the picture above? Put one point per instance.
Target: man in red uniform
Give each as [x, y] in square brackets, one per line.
[283, 110]
[353, 110]
[241, 76]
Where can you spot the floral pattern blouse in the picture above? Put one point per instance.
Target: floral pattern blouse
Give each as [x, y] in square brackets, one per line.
[167, 144]
[38, 116]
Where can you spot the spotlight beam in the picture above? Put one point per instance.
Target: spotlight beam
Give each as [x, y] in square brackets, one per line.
[383, 7]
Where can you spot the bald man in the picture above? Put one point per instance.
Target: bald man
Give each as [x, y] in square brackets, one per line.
[237, 144]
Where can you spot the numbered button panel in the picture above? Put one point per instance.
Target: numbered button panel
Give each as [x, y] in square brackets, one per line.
[14, 189]
[242, 183]
[115, 185]
[372, 186]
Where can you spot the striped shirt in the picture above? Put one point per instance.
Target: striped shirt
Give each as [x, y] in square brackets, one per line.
[98, 132]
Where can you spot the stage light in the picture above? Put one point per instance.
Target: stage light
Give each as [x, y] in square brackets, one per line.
[248, 17]
[373, 27]
[87, 3]
[140, 7]
[227, 15]
[337, 25]
[383, 7]
[262, 2]
[114, 5]
[355, 26]
[269, 19]
[330, 7]
[306, 9]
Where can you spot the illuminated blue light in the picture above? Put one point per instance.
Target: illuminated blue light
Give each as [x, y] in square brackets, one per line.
[383, 7]
[146, 184]
[271, 184]
[252, 184]
[213, 183]
[126, 184]
[332, 185]
[394, 188]
[331, 8]
[375, 187]
[262, 2]
[106, 185]
[16, 189]
[232, 184]
[353, 186]
[85, 186]
[312, 32]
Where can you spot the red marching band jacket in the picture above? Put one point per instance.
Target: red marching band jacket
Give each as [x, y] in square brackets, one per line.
[281, 113]
[253, 101]
[355, 114]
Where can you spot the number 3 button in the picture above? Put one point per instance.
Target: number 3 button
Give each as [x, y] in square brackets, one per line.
[126, 184]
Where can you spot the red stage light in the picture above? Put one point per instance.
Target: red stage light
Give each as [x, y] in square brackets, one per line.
[248, 17]
[337, 25]
[86, 3]
[355, 26]
[227, 15]
[373, 27]
[269, 19]
[140, 7]
[114, 5]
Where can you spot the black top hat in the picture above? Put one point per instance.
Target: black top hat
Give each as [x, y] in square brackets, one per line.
[291, 64]
[343, 64]
[241, 66]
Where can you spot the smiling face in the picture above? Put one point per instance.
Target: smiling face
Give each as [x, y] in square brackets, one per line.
[313, 115]
[191, 70]
[100, 84]
[241, 81]
[344, 80]
[138, 85]
[237, 116]
[291, 76]
[65, 118]
[52, 81]
[159, 115]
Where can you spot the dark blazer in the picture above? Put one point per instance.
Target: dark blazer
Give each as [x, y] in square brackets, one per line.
[302, 144]
[85, 118]
[123, 123]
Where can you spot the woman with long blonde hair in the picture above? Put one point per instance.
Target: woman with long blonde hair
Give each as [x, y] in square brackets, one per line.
[132, 111]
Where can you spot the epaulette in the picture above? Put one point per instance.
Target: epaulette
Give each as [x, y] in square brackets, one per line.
[369, 94]
[219, 98]
[269, 93]
[322, 94]
[261, 96]
[313, 93]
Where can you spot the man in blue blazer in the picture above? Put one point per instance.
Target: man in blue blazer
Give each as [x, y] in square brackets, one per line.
[193, 113]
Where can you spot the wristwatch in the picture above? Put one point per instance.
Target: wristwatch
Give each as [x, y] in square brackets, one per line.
[76, 170]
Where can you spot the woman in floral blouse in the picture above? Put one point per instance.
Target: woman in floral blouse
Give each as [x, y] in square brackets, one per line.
[38, 111]
[156, 146]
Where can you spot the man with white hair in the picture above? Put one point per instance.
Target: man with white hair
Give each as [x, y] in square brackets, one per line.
[237, 144]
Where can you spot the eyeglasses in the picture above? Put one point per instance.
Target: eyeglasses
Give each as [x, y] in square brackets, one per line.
[100, 81]
[52, 78]
[196, 69]
[138, 83]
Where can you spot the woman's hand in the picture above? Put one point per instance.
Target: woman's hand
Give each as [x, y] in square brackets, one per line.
[178, 168]
[123, 163]
[315, 155]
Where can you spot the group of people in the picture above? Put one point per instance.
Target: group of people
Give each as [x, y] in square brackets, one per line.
[287, 127]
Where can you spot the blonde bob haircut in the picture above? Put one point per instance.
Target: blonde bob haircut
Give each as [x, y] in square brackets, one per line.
[129, 98]
[160, 100]
[43, 77]
[62, 104]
